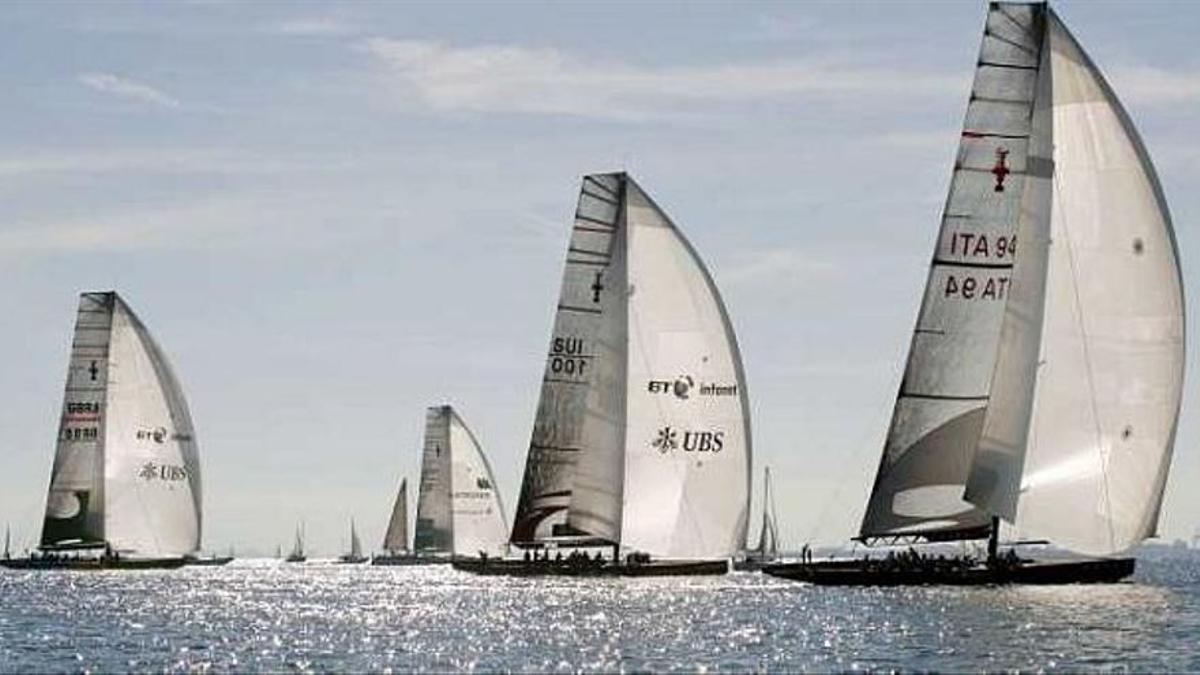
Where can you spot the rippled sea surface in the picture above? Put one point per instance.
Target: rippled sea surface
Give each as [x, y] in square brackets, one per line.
[261, 615]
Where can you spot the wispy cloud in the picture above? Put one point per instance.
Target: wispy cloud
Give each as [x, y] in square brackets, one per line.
[548, 81]
[123, 87]
[1150, 86]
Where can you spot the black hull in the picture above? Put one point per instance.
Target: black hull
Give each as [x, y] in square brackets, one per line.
[407, 560]
[752, 565]
[92, 564]
[565, 568]
[856, 573]
[295, 559]
[215, 561]
[348, 560]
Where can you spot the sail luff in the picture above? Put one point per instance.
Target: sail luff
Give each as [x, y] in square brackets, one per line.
[943, 396]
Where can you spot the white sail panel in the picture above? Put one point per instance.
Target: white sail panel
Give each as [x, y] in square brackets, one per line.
[395, 539]
[558, 431]
[995, 478]
[75, 503]
[940, 408]
[152, 500]
[479, 521]
[355, 542]
[434, 531]
[1109, 386]
[687, 446]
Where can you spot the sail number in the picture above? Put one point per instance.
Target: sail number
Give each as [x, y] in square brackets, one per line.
[567, 357]
[969, 287]
[978, 245]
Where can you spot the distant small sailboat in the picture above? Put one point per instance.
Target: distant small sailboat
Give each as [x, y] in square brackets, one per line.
[1044, 378]
[395, 540]
[641, 446]
[125, 484]
[355, 556]
[7, 542]
[297, 555]
[767, 550]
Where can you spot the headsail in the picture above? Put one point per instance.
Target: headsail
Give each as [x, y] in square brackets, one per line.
[478, 512]
[768, 536]
[395, 540]
[1112, 349]
[642, 434]
[944, 395]
[126, 470]
[355, 543]
[434, 533]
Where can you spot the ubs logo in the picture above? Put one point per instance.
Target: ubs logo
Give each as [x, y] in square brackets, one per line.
[483, 483]
[669, 439]
[164, 472]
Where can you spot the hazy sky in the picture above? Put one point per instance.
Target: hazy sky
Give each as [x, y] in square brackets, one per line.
[333, 215]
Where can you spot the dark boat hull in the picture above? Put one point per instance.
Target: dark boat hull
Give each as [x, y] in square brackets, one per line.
[215, 561]
[407, 560]
[92, 563]
[352, 560]
[295, 559]
[565, 568]
[751, 564]
[856, 573]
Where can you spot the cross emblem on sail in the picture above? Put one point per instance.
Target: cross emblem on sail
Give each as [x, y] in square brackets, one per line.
[1000, 170]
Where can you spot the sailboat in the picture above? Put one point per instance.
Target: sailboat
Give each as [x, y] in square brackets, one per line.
[7, 543]
[355, 556]
[125, 484]
[767, 550]
[395, 539]
[1043, 383]
[297, 555]
[640, 454]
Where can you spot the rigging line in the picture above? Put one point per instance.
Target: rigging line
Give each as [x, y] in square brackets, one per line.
[1087, 359]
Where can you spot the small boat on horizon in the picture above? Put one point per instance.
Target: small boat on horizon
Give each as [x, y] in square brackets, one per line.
[297, 554]
[125, 483]
[639, 460]
[355, 556]
[1042, 390]
[767, 550]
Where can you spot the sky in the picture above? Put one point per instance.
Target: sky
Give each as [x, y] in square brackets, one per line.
[334, 215]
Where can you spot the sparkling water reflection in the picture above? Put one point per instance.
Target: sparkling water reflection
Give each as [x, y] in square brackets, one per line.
[259, 615]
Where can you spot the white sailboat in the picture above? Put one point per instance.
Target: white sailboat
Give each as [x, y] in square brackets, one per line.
[767, 549]
[297, 554]
[125, 485]
[395, 539]
[641, 442]
[1044, 377]
[355, 556]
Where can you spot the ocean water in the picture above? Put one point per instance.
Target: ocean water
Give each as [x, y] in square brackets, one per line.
[261, 615]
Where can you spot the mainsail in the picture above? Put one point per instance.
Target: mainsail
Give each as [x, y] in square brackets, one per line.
[126, 470]
[642, 433]
[460, 510]
[395, 540]
[1044, 387]
[355, 543]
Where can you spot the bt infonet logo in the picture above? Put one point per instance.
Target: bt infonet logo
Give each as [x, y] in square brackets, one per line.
[684, 386]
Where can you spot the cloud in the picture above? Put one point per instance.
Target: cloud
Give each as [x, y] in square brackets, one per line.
[1149, 86]
[126, 88]
[548, 81]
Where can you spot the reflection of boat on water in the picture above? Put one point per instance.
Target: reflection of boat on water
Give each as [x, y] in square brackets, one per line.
[641, 443]
[125, 484]
[767, 550]
[1042, 388]
[355, 556]
[297, 554]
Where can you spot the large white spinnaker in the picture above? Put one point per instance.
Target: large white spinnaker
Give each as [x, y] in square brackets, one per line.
[480, 524]
[126, 424]
[1112, 355]
[395, 539]
[687, 434]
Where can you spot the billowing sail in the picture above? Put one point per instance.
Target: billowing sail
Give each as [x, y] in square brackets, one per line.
[642, 435]
[480, 524]
[126, 470]
[395, 540]
[687, 435]
[1112, 350]
[434, 533]
[944, 395]
[569, 413]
